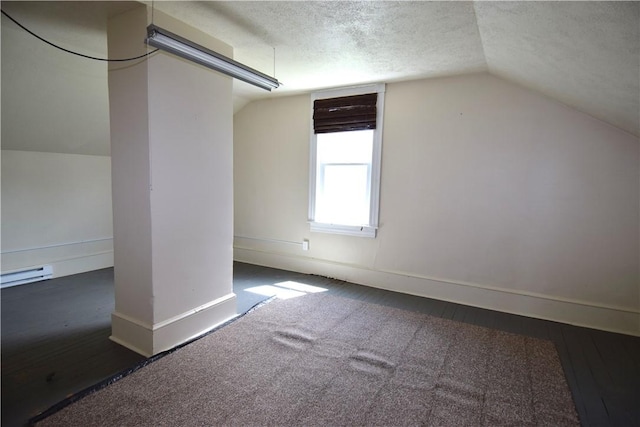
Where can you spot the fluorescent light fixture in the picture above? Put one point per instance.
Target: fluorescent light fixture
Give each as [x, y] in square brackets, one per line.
[165, 40]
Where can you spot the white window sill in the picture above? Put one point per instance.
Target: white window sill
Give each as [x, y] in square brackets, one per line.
[348, 230]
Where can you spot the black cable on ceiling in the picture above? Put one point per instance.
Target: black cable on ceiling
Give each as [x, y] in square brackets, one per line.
[72, 52]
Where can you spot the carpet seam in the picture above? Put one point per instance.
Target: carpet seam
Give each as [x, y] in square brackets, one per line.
[413, 337]
[373, 400]
[352, 313]
[283, 368]
[362, 304]
[441, 373]
[527, 345]
[491, 357]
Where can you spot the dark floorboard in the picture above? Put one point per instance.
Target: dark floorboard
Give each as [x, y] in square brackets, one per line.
[55, 341]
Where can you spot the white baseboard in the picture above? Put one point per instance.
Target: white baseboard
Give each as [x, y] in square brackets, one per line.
[580, 313]
[65, 258]
[131, 334]
[72, 265]
[82, 264]
[148, 340]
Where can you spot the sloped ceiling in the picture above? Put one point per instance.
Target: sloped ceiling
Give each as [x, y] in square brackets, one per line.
[583, 54]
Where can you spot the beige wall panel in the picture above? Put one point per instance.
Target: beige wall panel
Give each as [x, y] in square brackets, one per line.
[56, 209]
[485, 185]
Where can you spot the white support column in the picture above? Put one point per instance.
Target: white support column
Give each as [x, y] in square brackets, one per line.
[172, 157]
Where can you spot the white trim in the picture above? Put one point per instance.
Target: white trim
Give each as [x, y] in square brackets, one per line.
[65, 259]
[173, 319]
[619, 319]
[132, 334]
[147, 339]
[346, 91]
[264, 239]
[193, 311]
[368, 230]
[346, 230]
[133, 320]
[57, 245]
[130, 346]
[65, 266]
[82, 263]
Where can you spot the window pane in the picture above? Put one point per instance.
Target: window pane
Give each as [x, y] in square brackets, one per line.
[344, 183]
[343, 196]
[344, 177]
[345, 147]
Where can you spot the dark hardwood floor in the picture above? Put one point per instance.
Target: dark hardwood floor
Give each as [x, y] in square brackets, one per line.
[55, 341]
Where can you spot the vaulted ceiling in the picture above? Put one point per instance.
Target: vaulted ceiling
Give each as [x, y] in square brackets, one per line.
[583, 54]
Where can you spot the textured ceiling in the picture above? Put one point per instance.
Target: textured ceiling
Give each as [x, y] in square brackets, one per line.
[584, 54]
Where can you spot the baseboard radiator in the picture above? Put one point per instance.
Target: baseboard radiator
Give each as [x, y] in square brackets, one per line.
[26, 276]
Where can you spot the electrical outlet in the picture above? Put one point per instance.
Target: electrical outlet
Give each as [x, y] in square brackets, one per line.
[305, 245]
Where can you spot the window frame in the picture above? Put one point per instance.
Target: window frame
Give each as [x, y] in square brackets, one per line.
[366, 230]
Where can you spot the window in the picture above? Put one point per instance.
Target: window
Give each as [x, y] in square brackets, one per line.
[346, 141]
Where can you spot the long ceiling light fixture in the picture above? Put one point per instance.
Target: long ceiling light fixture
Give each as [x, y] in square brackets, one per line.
[165, 40]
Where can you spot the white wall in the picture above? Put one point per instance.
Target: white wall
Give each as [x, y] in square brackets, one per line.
[56, 189]
[53, 101]
[56, 209]
[172, 152]
[492, 195]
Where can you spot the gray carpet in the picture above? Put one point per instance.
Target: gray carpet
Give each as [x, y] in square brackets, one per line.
[324, 360]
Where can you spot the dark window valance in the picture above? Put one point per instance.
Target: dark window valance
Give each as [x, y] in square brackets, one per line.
[346, 113]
